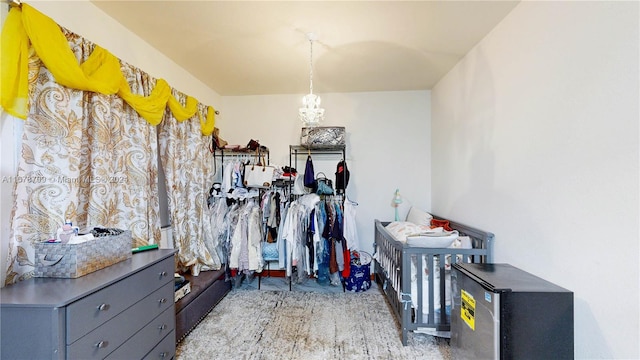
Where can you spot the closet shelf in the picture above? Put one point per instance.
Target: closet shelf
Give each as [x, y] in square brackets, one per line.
[339, 149]
[221, 153]
[301, 150]
[244, 153]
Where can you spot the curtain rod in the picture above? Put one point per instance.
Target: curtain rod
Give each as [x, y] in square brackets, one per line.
[13, 3]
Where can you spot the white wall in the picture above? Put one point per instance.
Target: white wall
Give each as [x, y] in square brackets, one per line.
[535, 137]
[387, 144]
[83, 18]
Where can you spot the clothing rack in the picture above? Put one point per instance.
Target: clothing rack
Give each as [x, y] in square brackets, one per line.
[338, 198]
[295, 150]
[240, 154]
[301, 150]
[302, 267]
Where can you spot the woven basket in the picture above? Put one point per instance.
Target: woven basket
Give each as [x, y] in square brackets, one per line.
[74, 260]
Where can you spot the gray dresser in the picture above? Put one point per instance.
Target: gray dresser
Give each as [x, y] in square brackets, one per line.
[125, 311]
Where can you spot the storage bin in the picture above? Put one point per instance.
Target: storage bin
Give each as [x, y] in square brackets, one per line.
[322, 136]
[360, 275]
[59, 260]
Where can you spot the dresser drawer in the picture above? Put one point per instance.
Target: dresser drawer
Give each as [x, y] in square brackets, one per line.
[92, 311]
[108, 337]
[147, 338]
[165, 350]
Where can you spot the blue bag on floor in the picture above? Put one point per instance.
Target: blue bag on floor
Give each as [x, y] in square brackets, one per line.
[360, 275]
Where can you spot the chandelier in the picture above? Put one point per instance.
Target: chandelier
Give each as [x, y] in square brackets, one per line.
[311, 114]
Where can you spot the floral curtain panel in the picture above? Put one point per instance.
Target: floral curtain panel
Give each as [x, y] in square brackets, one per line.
[86, 157]
[189, 170]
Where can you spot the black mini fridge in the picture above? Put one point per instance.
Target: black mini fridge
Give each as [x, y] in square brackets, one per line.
[502, 312]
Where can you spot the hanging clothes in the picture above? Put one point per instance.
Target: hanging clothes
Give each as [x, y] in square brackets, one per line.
[226, 184]
[343, 252]
[295, 245]
[309, 203]
[255, 236]
[322, 245]
[295, 234]
[289, 232]
[246, 239]
[310, 242]
[272, 216]
[219, 228]
[350, 228]
[282, 250]
[236, 230]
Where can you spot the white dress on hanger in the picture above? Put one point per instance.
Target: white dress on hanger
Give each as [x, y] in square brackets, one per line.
[350, 231]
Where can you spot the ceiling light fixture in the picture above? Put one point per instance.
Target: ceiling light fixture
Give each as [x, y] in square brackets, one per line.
[311, 114]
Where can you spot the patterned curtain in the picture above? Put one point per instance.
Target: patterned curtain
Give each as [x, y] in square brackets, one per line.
[86, 157]
[189, 170]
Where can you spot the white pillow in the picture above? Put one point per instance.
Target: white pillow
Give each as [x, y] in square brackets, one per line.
[419, 216]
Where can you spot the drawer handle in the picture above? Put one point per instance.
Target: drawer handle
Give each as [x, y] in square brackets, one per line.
[162, 327]
[102, 344]
[103, 307]
[162, 301]
[163, 274]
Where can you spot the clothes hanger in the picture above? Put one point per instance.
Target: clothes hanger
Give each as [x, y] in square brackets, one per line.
[351, 201]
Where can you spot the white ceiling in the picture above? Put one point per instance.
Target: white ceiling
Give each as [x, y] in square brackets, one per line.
[261, 47]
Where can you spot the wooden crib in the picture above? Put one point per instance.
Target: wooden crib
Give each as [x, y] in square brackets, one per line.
[408, 294]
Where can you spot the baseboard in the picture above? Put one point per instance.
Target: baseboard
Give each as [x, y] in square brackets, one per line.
[273, 273]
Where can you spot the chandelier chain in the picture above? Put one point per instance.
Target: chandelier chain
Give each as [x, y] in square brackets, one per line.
[311, 113]
[311, 66]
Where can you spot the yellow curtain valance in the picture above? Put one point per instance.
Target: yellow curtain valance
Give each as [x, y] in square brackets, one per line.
[100, 73]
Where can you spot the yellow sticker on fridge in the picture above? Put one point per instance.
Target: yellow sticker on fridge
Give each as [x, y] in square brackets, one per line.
[468, 309]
